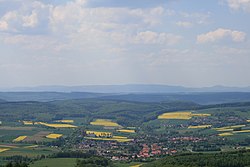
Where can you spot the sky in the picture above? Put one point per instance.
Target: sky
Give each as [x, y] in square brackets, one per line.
[108, 42]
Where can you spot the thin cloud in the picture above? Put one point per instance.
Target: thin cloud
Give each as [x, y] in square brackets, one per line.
[220, 34]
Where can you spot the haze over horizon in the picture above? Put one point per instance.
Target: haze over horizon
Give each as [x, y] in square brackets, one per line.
[114, 42]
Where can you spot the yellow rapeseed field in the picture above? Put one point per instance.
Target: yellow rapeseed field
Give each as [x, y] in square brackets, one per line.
[176, 115]
[66, 121]
[234, 126]
[104, 122]
[223, 130]
[181, 115]
[20, 138]
[201, 115]
[54, 136]
[199, 127]
[99, 134]
[4, 149]
[225, 134]
[126, 130]
[118, 139]
[136, 165]
[57, 125]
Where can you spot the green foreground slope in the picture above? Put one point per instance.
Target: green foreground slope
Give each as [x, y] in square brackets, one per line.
[233, 159]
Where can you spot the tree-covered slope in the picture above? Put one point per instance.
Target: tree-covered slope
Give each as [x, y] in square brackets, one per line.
[227, 159]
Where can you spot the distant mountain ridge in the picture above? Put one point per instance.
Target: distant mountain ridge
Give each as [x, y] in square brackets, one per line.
[197, 97]
[129, 88]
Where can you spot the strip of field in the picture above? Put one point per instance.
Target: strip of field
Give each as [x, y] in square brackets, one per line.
[65, 121]
[110, 139]
[20, 138]
[119, 137]
[200, 115]
[27, 122]
[126, 130]
[55, 162]
[248, 120]
[228, 128]
[8, 146]
[37, 137]
[29, 152]
[181, 115]
[4, 149]
[223, 130]
[32, 146]
[16, 128]
[57, 125]
[225, 134]
[199, 127]
[99, 134]
[242, 131]
[137, 165]
[104, 122]
[54, 136]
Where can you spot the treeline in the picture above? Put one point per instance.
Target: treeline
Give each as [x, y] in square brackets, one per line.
[233, 159]
[84, 159]
[94, 162]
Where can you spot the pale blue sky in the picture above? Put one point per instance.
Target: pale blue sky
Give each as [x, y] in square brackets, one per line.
[82, 42]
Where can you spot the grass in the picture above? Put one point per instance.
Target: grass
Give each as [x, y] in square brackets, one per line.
[104, 122]
[29, 152]
[8, 146]
[53, 162]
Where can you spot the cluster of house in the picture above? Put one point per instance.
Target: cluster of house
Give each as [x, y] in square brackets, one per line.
[154, 150]
[192, 139]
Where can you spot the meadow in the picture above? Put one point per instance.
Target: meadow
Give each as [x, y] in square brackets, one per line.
[53, 162]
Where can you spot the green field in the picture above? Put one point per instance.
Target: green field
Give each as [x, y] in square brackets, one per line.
[54, 162]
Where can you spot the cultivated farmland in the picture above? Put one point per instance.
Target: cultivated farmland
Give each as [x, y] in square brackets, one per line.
[104, 122]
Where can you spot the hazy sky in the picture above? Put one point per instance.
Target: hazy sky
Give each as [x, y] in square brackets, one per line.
[82, 42]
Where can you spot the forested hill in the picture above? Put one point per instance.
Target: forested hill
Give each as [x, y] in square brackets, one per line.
[47, 96]
[2, 101]
[200, 98]
[227, 159]
[124, 112]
